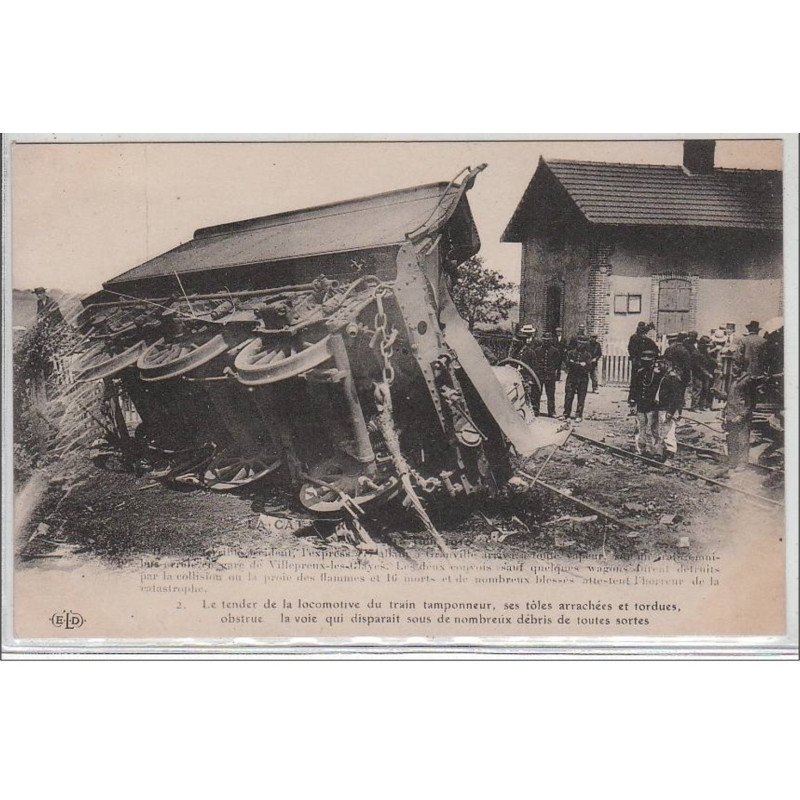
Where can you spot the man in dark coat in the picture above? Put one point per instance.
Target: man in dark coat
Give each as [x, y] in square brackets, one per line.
[638, 342]
[751, 350]
[45, 341]
[680, 358]
[47, 310]
[578, 361]
[558, 341]
[545, 360]
[579, 334]
[521, 338]
[669, 399]
[703, 366]
[648, 429]
[596, 349]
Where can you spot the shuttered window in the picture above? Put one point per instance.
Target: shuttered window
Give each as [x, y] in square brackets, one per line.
[674, 305]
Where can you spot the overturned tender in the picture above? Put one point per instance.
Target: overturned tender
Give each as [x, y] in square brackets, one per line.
[318, 348]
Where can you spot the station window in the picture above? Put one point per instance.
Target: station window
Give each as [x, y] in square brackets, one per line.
[627, 304]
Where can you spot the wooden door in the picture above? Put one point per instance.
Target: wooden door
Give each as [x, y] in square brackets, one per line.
[552, 308]
[674, 304]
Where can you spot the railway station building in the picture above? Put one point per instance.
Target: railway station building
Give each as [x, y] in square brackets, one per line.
[686, 247]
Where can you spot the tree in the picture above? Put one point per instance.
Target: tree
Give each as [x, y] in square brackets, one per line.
[481, 294]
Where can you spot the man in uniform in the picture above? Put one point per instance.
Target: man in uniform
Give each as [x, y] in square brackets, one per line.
[558, 341]
[709, 366]
[639, 343]
[669, 399]
[648, 431]
[578, 361]
[680, 358]
[579, 334]
[596, 349]
[702, 373]
[545, 361]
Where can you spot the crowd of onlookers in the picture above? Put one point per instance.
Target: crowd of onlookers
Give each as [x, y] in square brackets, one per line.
[685, 371]
[547, 355]
[692, 373]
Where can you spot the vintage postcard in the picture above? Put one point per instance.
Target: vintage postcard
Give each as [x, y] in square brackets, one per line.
[427, 394]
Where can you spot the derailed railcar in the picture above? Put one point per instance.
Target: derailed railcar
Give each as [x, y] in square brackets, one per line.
[318, 347]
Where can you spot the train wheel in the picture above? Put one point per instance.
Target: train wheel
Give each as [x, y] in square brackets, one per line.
[229, 471]
[261, 363]
[164, 360]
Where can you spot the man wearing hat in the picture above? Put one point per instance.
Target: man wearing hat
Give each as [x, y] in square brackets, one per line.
[47, 310]
[523, 336]
[751, 350]
[545, 360]
[46, 340]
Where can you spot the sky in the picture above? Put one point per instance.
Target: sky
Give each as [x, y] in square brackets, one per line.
[83, 213]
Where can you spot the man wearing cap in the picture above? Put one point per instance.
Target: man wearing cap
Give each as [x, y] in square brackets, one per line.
[578, 361]
[648, 434]
[558, 341]
[639, 343]
[636, 345]
[678, 355]
[702, 373]
[579, 333]
[709, 367]
[545, 360]
[669, 399]
[596, 349]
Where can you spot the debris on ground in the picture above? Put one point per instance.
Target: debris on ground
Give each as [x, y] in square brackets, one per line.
[567, 518]
[634, 506]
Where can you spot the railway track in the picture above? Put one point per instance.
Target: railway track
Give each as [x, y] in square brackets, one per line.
[606, 506]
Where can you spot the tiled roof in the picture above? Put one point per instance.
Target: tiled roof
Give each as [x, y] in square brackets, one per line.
[365, 223]
[648, 194]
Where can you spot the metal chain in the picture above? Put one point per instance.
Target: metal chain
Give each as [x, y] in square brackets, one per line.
[384, 340]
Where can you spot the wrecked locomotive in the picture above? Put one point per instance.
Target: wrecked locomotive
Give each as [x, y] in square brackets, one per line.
[320, 348]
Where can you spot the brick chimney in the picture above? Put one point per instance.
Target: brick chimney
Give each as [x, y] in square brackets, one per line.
[698, 156]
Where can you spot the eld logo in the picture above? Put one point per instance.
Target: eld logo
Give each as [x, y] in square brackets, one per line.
[69, 620]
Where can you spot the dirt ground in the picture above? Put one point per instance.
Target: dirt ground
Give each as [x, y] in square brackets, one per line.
[117, 518]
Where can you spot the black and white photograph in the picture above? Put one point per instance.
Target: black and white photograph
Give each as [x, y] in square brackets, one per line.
[420, 390]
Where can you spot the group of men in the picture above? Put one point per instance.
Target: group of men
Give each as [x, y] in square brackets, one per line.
[547, 355]
[662, 385]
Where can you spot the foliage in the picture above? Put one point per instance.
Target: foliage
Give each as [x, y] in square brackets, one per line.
[35, 387]
[481, 294]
